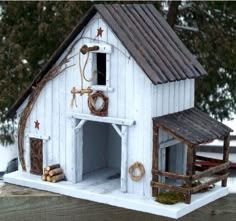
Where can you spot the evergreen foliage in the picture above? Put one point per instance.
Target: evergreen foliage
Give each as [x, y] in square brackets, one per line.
[31, 31]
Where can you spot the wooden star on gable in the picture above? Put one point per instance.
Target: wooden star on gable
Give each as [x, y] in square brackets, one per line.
[99, 32]
[36, 124]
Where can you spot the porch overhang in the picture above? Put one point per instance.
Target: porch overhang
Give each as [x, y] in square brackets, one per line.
[192, 126]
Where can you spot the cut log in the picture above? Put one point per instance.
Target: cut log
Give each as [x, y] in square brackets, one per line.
[44, 177]
[46, 172]
[55, 172]
[56, 178]
[52, 167]
[49, 179]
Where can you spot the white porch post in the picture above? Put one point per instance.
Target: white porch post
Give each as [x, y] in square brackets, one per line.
[79, 152]
[73, 155]
[124, 163]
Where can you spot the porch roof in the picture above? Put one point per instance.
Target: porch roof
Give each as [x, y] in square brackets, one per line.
[192, 126]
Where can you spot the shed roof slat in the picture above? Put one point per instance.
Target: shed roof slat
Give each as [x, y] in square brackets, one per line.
[142, 24]
[193, 126]
[172, 42]
[176, 39]
[199, 128]
[138, 37]
[120, 30]
[190, 134]
[218, 127]
[142, 38]
[171, 47]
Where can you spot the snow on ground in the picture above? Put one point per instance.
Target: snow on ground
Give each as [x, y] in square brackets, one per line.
[7, 153]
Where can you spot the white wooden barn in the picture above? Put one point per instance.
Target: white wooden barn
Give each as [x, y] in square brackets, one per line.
[140, 65]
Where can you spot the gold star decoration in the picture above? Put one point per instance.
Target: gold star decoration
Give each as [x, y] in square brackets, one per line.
[99, 32]
[36, 124]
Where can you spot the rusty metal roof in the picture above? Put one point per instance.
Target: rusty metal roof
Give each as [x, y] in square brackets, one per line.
[146, 35]
[192, 126]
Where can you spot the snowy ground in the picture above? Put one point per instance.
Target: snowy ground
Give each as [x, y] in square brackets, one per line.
[7, 153]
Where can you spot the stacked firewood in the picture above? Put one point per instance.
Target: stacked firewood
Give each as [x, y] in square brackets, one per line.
[53, 173]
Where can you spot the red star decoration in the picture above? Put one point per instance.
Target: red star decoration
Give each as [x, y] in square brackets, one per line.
[36, 124]
[99, 32]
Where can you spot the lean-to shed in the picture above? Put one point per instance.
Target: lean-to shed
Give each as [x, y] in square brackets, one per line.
[114, 107]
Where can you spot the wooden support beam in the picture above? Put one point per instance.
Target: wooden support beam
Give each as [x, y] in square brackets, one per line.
[111, 120]
[189, 172]
[170, 175]
[169, 143]
[225, 157]
[211, 170]
[155, 157]
[117, 129]
[80, 124]
[172, 188]
[194, 160]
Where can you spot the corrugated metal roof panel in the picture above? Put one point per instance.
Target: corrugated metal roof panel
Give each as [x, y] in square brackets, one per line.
[193, 126]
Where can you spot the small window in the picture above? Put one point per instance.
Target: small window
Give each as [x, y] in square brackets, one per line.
[101, 69]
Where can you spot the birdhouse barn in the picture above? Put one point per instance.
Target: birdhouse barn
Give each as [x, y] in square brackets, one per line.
[111, 118]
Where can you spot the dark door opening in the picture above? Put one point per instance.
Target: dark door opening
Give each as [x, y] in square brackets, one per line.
[101, 152]
[36, 156]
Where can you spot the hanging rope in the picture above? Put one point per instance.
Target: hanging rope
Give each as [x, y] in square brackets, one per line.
[84, 50]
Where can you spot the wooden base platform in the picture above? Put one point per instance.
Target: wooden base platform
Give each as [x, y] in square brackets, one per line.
[109, 193]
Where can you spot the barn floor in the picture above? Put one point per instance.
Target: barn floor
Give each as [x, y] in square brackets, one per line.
[96, 187]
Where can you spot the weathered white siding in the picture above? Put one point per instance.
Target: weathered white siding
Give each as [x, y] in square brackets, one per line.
[134, 97]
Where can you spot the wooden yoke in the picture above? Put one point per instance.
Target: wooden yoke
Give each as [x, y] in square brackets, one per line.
[84, 49]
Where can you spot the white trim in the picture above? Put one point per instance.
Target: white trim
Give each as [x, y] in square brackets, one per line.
[117, 129]
[110, 120]
[44, 149]
[73, 155]
[108, 71]
[168, 143]
[162, 154]
[45, 158]
[124, 160]
[80, 124]
[102, 88]
[38, 136]
[79, 155]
